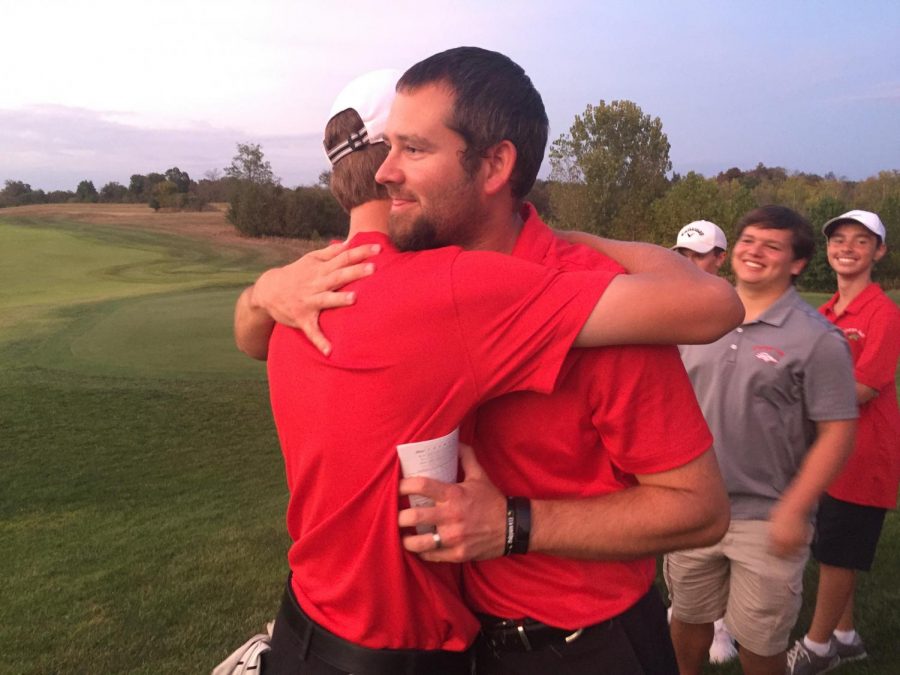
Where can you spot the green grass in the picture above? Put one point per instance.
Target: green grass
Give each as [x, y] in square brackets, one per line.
[141, 519]
[141, 489]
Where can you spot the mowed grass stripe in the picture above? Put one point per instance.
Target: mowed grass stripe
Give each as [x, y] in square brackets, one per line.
[178, 335]
[119, 302]
[65, 263]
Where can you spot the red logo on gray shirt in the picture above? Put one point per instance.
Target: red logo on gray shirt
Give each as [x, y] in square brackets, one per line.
[768, 353]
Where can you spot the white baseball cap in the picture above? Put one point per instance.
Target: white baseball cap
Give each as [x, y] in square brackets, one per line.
[701, 236]
[370, 96]
[867, 219]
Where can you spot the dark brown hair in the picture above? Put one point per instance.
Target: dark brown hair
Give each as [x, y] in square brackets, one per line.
[494, 101]
[776, 217]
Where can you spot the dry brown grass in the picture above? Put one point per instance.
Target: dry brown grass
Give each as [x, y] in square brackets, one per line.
[210, 225]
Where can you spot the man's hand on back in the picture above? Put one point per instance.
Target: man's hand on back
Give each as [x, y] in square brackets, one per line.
[294, 295]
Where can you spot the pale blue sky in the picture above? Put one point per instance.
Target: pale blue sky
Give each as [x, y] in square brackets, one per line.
[102, 89]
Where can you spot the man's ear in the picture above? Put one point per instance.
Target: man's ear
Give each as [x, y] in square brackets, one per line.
[880, 251]
[499, 163]
[798, 265]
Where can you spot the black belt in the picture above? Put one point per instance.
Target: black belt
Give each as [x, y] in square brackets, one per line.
[311, 638]
[526, 635]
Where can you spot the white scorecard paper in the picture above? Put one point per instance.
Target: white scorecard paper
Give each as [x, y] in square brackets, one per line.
[437, 458]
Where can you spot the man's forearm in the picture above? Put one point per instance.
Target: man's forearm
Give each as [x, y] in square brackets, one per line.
[823, 462]
[681, 508]
[664, 299]
[252, 326]
[644, 520]
[638, 257]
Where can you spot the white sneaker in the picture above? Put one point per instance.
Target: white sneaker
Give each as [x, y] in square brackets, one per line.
[722, 649]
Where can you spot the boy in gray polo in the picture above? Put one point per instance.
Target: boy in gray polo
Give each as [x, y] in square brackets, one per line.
[778, 395]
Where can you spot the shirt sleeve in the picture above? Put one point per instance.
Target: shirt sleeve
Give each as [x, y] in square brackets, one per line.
[828, 385]
[649, 420]
[518, 319]
[876, 365]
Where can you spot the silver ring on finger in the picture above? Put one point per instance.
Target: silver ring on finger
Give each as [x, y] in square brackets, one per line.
[438, 542]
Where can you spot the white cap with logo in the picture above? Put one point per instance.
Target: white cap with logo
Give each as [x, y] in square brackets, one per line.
[701, 236]
[867, 219]
[370, 96]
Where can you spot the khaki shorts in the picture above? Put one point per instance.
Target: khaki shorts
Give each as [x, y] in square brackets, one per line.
[758, 593]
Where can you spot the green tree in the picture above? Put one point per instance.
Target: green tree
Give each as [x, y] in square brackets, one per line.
[138, 187]
[86, 192]
[60, 196]
[213, 188]
[16, 193]
[621, 157]
[693, 197]
[312, 212]
[818, 275]
[253, 208]
[180, 179]
[887, 271]
[165, 195]
[736, 199]
[248, 164]
[540, 197]
[113, 192]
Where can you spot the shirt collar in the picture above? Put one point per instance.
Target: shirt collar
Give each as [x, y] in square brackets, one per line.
[535, 239]
[866, 296]
[778, 312]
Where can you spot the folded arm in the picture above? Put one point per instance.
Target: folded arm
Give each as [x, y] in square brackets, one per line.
[665, 299]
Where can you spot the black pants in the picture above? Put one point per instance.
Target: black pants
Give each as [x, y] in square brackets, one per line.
[299, 646]
[636, 642]
[288, 655]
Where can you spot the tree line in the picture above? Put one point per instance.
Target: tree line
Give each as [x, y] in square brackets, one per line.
[258, 205]
[610, 175]
[173, 189]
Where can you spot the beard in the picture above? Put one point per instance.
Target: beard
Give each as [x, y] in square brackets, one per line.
[453, 219]
[421, 235]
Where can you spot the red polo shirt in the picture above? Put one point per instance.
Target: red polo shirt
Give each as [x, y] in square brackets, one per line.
[615, 412]
[871, 324]
[431, 335]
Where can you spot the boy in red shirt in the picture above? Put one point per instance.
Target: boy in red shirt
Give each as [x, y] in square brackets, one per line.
[852, 511]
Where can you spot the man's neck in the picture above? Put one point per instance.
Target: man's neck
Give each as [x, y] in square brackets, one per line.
[756, 301]
[849, 287]
[499, 231]
[370, 217]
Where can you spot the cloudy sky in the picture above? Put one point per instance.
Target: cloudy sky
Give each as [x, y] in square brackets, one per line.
[102, 89]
